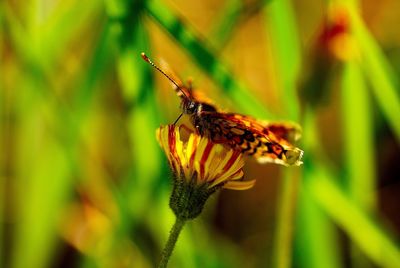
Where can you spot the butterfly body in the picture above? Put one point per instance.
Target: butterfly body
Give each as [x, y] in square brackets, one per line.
[267, 142]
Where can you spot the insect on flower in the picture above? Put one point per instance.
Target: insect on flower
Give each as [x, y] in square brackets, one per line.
[267, 142]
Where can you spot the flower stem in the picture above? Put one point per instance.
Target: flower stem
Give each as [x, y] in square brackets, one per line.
[169, 247]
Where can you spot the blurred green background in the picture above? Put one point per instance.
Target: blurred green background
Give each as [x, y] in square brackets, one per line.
[84, 184]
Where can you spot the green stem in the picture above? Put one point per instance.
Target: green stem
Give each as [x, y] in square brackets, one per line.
[169, 247]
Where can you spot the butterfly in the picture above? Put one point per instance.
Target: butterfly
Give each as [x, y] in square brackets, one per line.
[266, 142]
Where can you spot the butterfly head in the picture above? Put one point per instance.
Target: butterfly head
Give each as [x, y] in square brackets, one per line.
[193, 107]
[189, 106]
[190, 103]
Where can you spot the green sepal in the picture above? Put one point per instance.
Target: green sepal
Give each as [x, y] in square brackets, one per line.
[188, 197]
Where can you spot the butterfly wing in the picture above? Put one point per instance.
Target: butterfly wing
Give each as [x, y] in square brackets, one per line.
[283, 131]
[267, 142]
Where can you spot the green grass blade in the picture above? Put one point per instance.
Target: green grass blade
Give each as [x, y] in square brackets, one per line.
[280, 20]
[372, 239]
[144, 117]
[4, 136]
[358, 137]
[385, 84]
[41, 44]
[285, 219]
[66, 22]
[225, 23]
[378, 245]
[205, 58]
[42, 184]
[17, 37]
[234, 14]
[316, 241]
[359, 145]
[100, 63]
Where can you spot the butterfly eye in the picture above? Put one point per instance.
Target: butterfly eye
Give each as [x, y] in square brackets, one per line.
[191, 106]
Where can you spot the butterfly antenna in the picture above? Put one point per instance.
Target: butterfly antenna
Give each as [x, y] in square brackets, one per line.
[144, 56]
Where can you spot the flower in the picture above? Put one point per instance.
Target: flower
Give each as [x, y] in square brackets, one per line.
[336, 38]
[200, 167]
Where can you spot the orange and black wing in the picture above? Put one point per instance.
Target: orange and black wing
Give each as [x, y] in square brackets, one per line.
[267, 142]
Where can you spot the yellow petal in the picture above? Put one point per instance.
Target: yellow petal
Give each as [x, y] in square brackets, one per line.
[234, 167]
[198, 165]
[238, 164]
[162, 137]
[236, 176]
[190, 147]
[224, 157]
[227, 177]
[239, 185]
[211, 162]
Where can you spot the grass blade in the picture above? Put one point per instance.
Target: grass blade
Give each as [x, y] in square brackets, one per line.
[378, 245]
[280, 20]
[42, 185]
[358, 137]
[285, 220]
[316, 243]
[385, 84]
[316, 236]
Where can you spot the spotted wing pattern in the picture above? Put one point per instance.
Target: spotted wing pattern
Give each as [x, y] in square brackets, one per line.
[267, 142]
